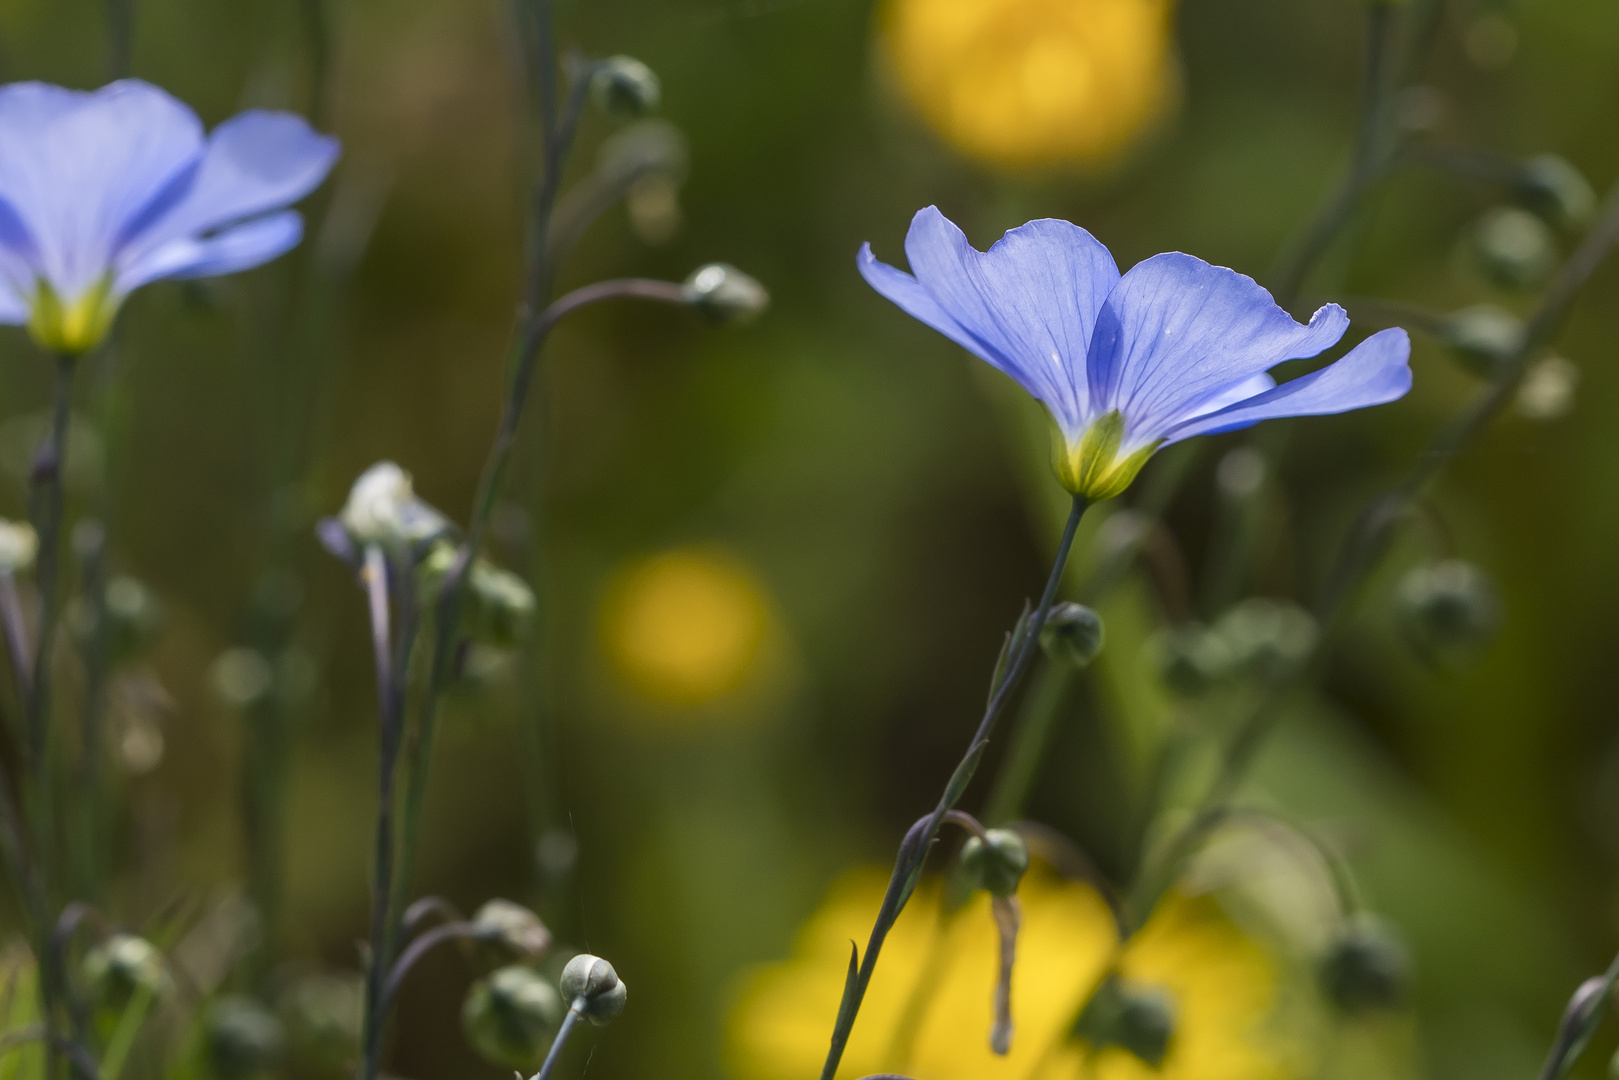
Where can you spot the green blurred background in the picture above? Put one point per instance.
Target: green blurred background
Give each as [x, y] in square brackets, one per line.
[881, 492]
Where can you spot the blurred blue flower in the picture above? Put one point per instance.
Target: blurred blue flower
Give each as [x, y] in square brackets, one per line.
[102, 192]
[1125, 365]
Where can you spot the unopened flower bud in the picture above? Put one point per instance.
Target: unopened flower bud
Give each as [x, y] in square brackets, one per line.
[1366, 968]
[1515, 248]
[593, 988]
[502, 603]
[1482, 337]
[1191, 660]
[1073, 634]
[1447, 607]
[1268, 640]
[133, 616]
[510, 1015]
[322, 1013]
[725, 294]
[996, 862]
[1553, 187]
[623, 86]
[245, 1039]
[512, 928]
[382, 508]
[1130, 1015]
[1547, 389]
[18, 546]
[122, 964]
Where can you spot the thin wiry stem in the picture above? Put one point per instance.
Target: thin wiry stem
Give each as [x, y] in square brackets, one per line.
[913, 850]
[18, 647]
[553, 1055]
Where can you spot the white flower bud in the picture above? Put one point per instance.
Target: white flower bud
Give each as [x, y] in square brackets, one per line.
[382, 508]
[725, 294]
[18, 546]
[593, 988]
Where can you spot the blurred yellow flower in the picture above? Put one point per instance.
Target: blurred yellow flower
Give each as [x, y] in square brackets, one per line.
[1035, 83]
[1221, 984]
[684, 627]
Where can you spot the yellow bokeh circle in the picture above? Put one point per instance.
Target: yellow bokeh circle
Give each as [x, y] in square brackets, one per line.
[684, 627]
[1026, 84]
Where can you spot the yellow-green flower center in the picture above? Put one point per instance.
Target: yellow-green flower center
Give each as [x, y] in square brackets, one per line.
[1091, 466]
[72, 327]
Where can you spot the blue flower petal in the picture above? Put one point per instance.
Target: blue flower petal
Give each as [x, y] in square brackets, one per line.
[1176, 330]
[255, 162]
[240, 248]
[80, 168]
[1372, 373]
[1029, 303]
[1252, 386]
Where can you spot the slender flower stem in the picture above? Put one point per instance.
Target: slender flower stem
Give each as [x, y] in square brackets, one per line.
[89, 538]
[913, 850]
[553, 1055]
[1580, 1021]
[121, 55]
[389, 701]
[46, 511]
[420, 948]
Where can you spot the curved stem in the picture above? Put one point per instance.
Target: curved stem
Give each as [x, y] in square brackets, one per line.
[913, 849]
[418, 949]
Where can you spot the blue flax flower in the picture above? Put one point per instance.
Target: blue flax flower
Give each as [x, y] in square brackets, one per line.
[1125, 365]
[102, 192]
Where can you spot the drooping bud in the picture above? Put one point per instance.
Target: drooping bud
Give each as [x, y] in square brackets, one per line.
[510, 1015]
[1366, 968]
[623, 86]
[382, 508]
[1482, 337]
[245, 1040]
[1515, 249]
[19, 544]
[512, 928]
[1268, 640]
[725, 294]
[1551, 186]
[1130, 1015]
[996, 862]
[122, 964]
[1073, 634]
[1448, 607]
[593, 988]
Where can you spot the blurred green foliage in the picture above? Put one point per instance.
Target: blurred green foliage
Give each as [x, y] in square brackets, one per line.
[880, 485]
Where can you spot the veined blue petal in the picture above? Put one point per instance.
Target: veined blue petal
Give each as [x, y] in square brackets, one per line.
[912, 298]
[1374, 372]
[1252, 386]
[1030, 301]
[79, 168]
[240, 248]
[1175, 330]
[254, 163]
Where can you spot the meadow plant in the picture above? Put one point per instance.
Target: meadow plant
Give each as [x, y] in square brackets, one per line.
[104, 192]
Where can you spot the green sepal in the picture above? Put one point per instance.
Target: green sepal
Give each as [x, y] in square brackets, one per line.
[1092, 467]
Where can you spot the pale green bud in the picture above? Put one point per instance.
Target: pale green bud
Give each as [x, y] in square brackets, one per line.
[1073, 634]
[512, 928]
[1515, 248]
[1366, 968]
[1130, 1015]
[593, 988]
[725, 294]
[122, 964]
[1448, 607]
[996, 862]
[382, 508]
[1267, 639]
[623, 86]
[19, 544]
[245, 1039]
[510, 1015]
[1551, 186]
[1482, 337]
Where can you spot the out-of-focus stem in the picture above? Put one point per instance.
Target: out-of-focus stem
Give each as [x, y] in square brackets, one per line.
[121, 51]
[553, 1055]
[90, 539]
